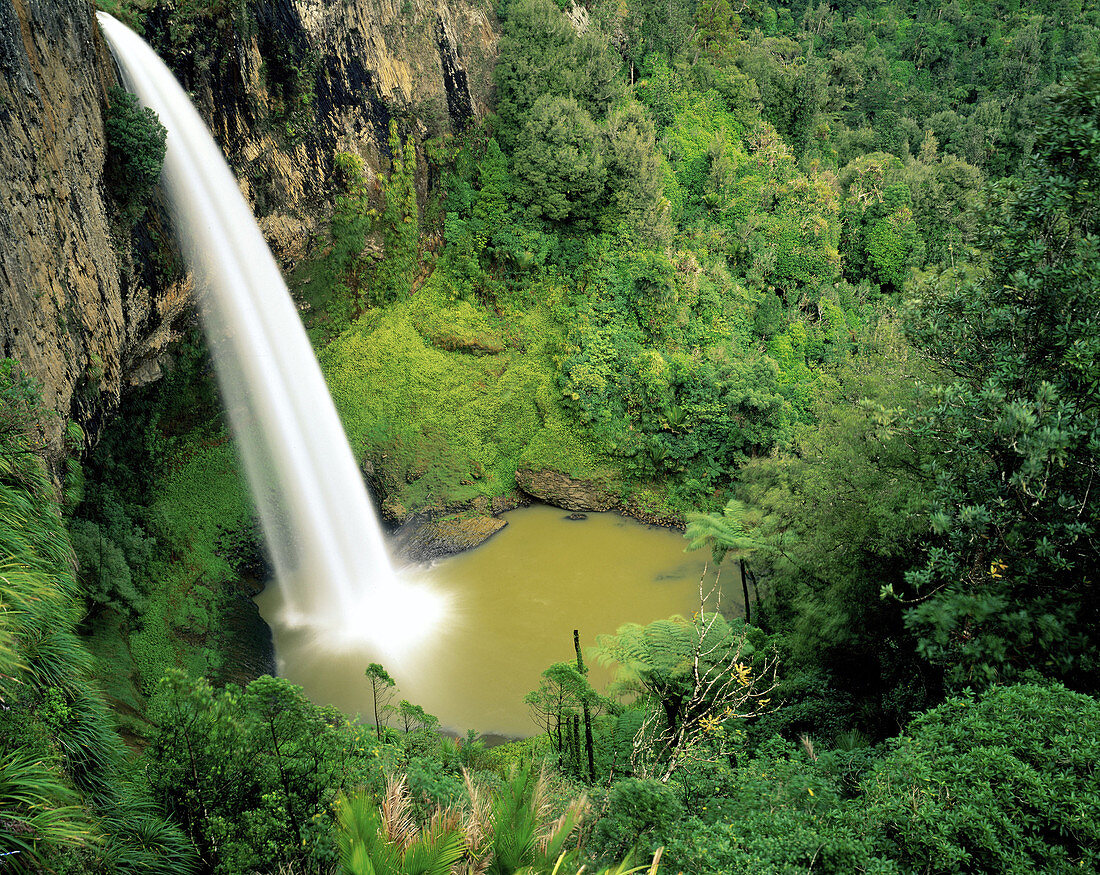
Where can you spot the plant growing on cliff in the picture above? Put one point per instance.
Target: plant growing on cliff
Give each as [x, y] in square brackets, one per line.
[399, 223]
[136, 142]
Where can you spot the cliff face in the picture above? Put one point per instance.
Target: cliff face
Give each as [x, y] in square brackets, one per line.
[287, 84]
[284, 85]
[66, 311]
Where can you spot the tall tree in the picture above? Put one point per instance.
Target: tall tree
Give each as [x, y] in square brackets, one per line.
[1008, 582]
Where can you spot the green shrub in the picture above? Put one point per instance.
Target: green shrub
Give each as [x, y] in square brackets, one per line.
[136, 142]
[1002, 782]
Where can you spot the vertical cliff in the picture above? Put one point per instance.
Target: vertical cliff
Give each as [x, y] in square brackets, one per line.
[286, 84]
[69, 309]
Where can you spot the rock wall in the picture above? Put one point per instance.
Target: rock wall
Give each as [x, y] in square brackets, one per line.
[290, 83]
[67, 312]
[570, 493]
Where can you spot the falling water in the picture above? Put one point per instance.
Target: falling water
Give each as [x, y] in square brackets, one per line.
[321, 532]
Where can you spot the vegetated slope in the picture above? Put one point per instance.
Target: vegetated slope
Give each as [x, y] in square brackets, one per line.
[700, 269]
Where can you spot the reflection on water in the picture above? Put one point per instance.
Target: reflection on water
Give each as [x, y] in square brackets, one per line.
[515, 603]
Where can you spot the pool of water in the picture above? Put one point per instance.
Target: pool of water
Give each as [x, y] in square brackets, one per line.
[514, 603]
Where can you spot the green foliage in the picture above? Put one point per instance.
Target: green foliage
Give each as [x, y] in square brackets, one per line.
[721, 532]
[542, 54]
[518, 820]
[364, 850]
[1007, 583]
[381, 688]
[833, 521]
[38, 812]
[61, 762]
[640, 816]
[556, 706]
[110, 555]
[253, 775]
[778, 812]
[135, 152]
[1002, 782]
[692, 678]
[399, 223]
[559, 161]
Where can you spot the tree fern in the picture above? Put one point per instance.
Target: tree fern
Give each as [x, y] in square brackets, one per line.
[723, 533]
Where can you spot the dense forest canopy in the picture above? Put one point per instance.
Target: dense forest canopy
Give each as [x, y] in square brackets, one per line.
[817, 281]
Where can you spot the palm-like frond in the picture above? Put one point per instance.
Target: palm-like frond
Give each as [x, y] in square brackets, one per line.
[140, 842]
[515, 823]
[433, 853]
[363, 850]
[722, 532]
[366, 849]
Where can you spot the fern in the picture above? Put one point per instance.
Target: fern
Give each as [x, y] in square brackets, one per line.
[723, 533]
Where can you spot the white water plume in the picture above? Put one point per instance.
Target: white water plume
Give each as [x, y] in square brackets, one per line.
[321, 532]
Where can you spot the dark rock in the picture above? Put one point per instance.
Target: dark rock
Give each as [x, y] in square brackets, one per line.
[424, 539]
[504, 503]
[394, 511]
[577, 516]
[471, 344]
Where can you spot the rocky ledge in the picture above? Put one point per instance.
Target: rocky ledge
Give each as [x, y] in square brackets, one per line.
[425, 539]
[570, 493]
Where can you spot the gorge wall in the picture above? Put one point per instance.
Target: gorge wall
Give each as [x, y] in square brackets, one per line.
[284, 85]
[69, 310]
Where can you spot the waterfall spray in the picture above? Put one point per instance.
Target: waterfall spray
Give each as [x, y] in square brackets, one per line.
[320, 529]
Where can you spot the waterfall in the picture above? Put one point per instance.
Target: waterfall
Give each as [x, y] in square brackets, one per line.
[321, 532]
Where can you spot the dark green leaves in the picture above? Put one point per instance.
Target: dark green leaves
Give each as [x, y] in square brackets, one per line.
[135, 152]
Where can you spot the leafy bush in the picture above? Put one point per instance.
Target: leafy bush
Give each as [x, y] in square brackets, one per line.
[641, 815]
[136, 143]
[1002, 782]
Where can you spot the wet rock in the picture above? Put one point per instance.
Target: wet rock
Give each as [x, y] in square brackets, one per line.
[511, 501]
[577, 516]
[394, 511]
[421, 540]
[568, 493]
[634, 507]
[74, 315]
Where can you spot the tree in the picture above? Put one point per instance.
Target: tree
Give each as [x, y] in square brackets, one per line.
[381, 685]
[136, 143]
[541, 54]
[723, 533]
[1008, 583]
[253, 774]
[563, 695]
[692, 677]
[415, 717]
[559, 161]
[833, 518]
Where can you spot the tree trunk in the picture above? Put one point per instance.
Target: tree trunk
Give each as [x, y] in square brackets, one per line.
[575, 728]
[745, 590]
[584, 706]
